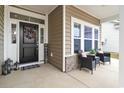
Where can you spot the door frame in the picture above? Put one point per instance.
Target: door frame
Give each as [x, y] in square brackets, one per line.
[12, 50]
[18, 44]
[17, 22]
[35, 44]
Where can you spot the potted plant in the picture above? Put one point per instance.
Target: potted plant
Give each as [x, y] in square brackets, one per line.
[93, 51]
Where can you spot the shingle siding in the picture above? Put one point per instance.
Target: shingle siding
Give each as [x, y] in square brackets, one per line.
[1, 35]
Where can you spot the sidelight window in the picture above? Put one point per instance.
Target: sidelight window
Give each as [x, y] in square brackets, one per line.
[13, 31]
[41, 35]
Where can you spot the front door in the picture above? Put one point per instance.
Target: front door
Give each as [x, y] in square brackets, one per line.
[28, 42]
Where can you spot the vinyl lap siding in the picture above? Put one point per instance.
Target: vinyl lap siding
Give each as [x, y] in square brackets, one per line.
[55, 37]
[75, 12]
[1, 34]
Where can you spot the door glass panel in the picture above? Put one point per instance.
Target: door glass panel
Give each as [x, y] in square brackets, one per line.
[30, 34]
[13, 29]
[41, 35]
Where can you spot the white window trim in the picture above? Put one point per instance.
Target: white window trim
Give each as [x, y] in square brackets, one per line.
[73, 19]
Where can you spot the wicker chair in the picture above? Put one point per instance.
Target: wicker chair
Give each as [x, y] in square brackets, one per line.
[87, 62]
[104, 57]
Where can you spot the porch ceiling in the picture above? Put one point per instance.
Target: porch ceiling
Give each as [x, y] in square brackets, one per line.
[44, 9]
[100, 11]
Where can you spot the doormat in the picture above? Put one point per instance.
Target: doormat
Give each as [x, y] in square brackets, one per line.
[30, 67]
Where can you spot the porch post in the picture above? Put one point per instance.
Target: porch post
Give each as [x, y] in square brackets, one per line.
[63, 68]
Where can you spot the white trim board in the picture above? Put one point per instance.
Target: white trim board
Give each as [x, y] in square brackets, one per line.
[64, 37]
[29, 64]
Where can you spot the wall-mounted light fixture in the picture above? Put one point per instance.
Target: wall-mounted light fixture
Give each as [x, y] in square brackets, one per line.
[104, 41]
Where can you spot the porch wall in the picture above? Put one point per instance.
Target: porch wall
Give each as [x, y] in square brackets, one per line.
[1, 35]
[75, 12]
[72, 11]
[71, 63]
[55, 37]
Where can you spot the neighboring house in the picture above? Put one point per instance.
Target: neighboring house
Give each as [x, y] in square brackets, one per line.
[111, 39]
[66, 29]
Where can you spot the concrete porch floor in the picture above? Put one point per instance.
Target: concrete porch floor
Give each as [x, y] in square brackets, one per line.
[49, 76]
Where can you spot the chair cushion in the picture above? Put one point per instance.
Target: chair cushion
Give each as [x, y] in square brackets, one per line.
[83, 54]
[106, 58]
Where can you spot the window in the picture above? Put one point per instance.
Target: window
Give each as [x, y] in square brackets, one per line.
[76, 45]
[77, 37]
[96, 33]
[96, 45]
[26, 18]
[87, 32]
[13, 30]
[41, 35]
[77, 30]
[87, 45]
[87, 38]
[96, 39]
